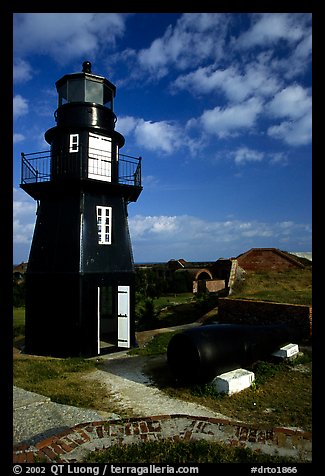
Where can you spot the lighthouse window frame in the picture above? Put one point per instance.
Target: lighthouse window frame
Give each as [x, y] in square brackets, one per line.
[99, 157]
[74, 143]
[104, 225]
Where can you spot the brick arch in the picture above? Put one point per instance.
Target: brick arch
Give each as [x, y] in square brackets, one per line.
[203, 272]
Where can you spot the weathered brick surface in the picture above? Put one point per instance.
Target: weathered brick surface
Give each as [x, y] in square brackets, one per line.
[64, 447]
[267, 259]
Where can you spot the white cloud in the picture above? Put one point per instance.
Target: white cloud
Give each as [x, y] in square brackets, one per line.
[24, 209]
[227, 121]
[292, 102]
[18, 138]
[126, 124]
[20, 106]
[269, 28]
[278, 158]
[162, 136]
[154, 58]
[294, 133]
[22, 71]
[295, 105]
[191, 228]
[244, 154]
[304, 48]
[153, 225]
[297, 61]
[169, 236]
[256, 80]
[65, 36]
[195, 36]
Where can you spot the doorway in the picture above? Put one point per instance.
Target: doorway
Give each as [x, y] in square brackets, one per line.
[107, 323]
[113, 320]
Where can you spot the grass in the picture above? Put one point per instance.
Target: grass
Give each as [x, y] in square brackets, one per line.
[59, 379]
[292, 286]
[181, 452]
[158, 345]
[19, 316]
[18, 322]
[172, 300]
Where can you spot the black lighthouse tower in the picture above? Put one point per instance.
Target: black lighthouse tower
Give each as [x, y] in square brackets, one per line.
[80, 275]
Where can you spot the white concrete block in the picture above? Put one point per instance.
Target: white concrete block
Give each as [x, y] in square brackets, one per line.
[287, 351]
[233, 381]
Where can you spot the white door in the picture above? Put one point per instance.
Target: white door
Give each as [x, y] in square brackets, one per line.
[100, 157]
[123, 317]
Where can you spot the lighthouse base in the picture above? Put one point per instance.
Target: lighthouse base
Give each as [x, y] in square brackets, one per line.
[70, 315]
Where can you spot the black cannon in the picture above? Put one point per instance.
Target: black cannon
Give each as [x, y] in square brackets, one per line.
[199, 354]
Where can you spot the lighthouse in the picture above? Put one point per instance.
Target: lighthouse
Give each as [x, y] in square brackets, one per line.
[80, 279]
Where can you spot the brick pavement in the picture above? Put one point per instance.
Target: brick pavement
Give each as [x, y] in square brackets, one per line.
[74, 444]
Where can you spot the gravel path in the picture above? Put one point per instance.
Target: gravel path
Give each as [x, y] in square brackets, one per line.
[132, 390]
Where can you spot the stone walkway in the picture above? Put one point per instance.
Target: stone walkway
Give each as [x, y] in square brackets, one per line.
[36, 418]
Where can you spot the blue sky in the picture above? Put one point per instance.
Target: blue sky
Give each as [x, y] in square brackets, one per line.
[218, 105]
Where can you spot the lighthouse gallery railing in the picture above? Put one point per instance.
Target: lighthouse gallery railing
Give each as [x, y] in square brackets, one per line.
[36, 167]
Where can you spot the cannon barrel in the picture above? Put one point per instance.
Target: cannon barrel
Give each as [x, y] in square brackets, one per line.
[199, 354]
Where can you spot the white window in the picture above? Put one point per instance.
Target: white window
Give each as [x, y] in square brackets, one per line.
[74, 143]
[99, 157]
[104, 225]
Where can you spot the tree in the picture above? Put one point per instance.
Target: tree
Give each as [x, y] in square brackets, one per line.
[18, 294]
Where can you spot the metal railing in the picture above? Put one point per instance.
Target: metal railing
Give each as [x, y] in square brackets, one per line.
[40, 167]
[35, 167]
[129, 170]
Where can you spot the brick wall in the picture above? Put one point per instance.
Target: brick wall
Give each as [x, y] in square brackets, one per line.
[244, 311]
[215, 285]
[212, 286]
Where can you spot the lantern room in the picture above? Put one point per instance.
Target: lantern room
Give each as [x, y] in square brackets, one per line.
[85, 87]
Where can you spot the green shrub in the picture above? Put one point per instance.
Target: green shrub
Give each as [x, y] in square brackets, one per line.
[146, 315]
[206, 390]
